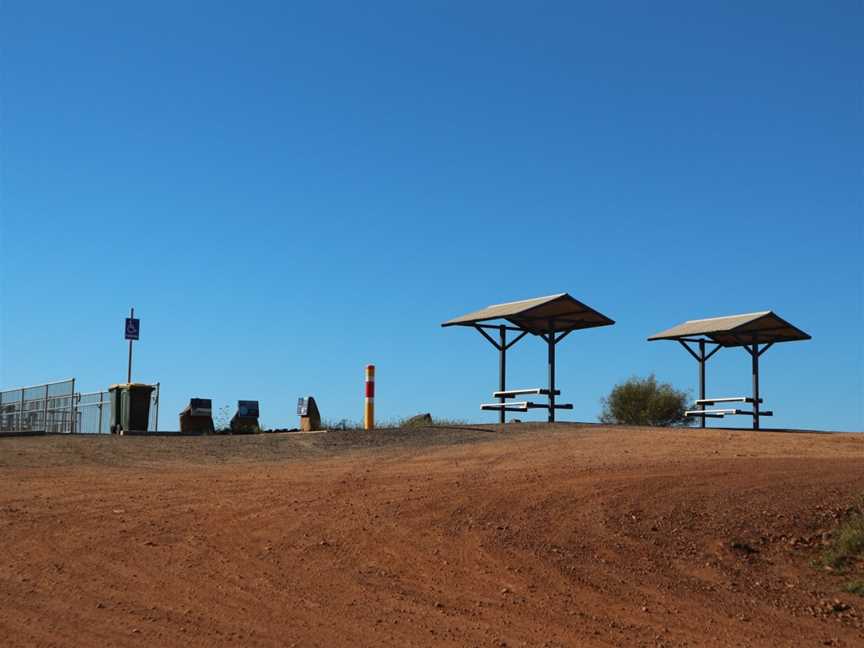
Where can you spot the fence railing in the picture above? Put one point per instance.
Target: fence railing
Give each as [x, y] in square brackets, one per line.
[41, 408]
[93, 413]
[57, 408]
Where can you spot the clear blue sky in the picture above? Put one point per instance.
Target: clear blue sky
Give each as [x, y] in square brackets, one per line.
[288, 191]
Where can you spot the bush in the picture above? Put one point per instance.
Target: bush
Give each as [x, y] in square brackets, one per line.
[855, 587]
[222, 420]
[644, 401]
[847, 545]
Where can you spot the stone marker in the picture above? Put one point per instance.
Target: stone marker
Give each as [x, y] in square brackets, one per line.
[421, 420]
[310, 417]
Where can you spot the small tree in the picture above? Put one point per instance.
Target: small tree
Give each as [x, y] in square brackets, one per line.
[644, 401]
[223, 420]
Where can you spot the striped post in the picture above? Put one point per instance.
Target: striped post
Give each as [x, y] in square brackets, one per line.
[369, 409]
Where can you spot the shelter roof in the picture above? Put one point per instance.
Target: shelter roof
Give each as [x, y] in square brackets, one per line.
[559, 312]
[735, 330]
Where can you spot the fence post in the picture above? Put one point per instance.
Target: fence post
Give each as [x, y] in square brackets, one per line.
[21, 413]
[99, 429]
[156, 426]
[73, 410]
[45, 412]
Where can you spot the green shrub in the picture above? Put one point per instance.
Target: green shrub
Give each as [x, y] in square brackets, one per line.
[855, 587]
[847, 544]
[222, 420]
[644, 401]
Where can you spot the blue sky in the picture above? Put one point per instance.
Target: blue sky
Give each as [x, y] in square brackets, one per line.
[288, 191]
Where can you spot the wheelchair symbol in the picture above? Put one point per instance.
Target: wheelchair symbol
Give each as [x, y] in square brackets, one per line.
[133, 328]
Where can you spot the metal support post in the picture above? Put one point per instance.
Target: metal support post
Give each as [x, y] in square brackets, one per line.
[754, 353]
[702, 379]
[21, 412]
[551, 344]
[73, 409]
[45, 412]
[502, 371]
[702, 358]
[158, 398]
[502, 345]
[129, 366]
[101, 402]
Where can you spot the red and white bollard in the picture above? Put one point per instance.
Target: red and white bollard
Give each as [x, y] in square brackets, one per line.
[369, 409]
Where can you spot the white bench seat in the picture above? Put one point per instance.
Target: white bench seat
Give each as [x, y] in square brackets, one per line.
[523, 406]
[720, 413]
[519, 406]
[512, 393]
[730, 399]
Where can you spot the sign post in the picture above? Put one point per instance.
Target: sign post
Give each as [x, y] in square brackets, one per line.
[133, 330]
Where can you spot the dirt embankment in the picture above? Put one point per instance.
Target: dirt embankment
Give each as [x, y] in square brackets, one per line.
[458, 537]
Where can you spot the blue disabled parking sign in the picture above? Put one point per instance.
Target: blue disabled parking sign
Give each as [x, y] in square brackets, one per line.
[133, 328]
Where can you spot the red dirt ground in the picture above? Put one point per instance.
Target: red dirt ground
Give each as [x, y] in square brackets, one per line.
[526, 536]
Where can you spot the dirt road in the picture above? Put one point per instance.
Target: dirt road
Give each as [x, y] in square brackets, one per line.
[576, 536]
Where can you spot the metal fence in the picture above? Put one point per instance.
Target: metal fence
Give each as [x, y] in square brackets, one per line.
[57, 408]
[93, 412]
[41, 408]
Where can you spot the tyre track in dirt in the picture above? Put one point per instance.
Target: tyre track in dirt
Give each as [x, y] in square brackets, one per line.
[537, 537]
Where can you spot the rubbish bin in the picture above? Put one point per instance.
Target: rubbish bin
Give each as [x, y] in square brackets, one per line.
[130, 407]
[197, 417]
[245, 421]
